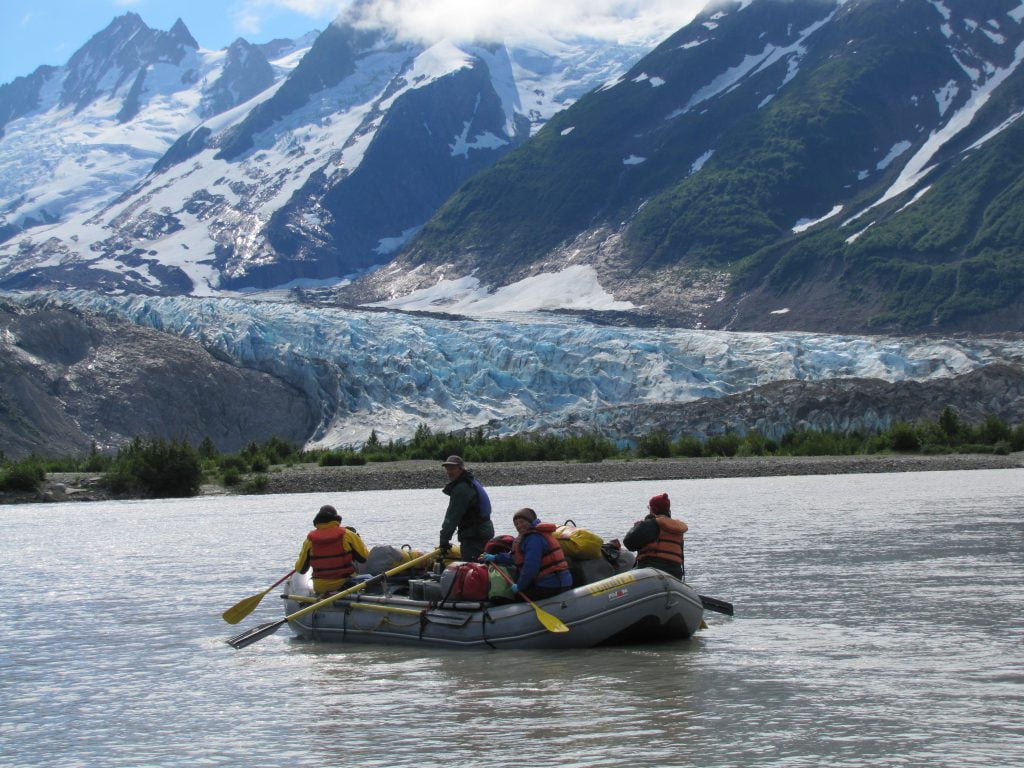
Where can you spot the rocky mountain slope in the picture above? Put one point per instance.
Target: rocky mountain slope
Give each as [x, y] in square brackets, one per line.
[778, 164]
[68, 379]
[836, 405]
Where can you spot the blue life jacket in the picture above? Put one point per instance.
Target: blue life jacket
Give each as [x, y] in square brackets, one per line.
[483, 500]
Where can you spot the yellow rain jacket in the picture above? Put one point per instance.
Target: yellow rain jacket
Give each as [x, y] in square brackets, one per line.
[352, 543]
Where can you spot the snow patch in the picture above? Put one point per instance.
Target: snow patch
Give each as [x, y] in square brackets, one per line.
[699, 162]
[575, 287]
[633, 160]
[389, 245]
[945, 95]
[485, 140]
[897, 149]
[805, 224]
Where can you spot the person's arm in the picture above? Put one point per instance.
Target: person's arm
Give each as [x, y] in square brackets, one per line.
[302, 564]
[533, 551]
[355, 545]
[504, 558]
[458, 503]
[641, 534]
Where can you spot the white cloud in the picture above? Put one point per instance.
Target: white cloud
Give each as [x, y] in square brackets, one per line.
[622, 21]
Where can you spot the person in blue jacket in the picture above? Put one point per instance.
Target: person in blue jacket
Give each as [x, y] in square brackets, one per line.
[543, 569]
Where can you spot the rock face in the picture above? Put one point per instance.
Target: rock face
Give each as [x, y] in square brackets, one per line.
[68, 379]
[835, 405]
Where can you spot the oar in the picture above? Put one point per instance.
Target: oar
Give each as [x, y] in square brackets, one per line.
[551, 623]
[713, 604]
[243, 608]
[264, 630]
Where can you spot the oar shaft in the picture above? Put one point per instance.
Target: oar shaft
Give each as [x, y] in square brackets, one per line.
[283, 578]
[362, 585]
[258, 633]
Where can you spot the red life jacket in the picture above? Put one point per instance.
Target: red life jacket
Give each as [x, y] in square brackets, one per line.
[329, 558]
[669, 544]
[553, 559]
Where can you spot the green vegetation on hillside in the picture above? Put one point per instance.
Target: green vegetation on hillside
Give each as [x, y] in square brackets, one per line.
[159, 468]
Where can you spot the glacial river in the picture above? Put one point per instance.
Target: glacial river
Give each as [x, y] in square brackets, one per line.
[879, 622]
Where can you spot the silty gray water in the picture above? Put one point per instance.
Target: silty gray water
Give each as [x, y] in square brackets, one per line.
[878, 623]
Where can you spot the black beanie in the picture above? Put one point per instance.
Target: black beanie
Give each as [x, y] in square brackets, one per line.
[326, 514]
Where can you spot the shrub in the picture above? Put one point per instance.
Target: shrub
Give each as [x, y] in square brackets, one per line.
[723, 445]
[96, 461]
[974, 448]
[654, 445]
[688, 446]
[236, 463]
[156, 468]
[903, 437]
[25, 475]
[1017, 438]
[207, 450]
[255, 484]
[331, 459]
[279, 451]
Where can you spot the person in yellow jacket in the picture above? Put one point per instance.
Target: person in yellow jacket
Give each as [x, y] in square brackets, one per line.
[331, 550]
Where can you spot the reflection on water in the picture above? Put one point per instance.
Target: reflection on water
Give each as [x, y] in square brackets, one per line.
[878, 623]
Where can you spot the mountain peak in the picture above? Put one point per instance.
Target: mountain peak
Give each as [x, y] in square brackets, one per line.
[180, 34]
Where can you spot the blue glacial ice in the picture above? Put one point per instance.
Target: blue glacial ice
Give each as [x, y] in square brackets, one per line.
[392, 372]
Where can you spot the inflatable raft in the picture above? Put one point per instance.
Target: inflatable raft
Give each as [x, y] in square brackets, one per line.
[642, 605]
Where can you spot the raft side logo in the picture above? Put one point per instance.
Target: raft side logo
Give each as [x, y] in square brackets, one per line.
[611, 584]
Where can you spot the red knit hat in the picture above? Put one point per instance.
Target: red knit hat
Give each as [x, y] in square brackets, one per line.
[660, 504]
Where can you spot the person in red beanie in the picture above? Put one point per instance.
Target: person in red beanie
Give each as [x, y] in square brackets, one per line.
[658, 538]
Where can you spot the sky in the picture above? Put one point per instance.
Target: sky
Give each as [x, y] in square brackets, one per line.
[37, 32]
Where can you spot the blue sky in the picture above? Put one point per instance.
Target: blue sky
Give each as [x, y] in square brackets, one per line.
[36, 32]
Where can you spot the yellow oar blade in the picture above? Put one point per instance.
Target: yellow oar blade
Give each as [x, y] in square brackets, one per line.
[242, 608]
[551, 623]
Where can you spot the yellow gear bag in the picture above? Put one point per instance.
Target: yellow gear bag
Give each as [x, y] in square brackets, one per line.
[579, 542]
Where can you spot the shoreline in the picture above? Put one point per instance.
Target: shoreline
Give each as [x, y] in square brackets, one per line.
[426, 474]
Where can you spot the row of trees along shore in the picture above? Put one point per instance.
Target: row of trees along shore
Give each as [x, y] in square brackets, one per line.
[171, 468]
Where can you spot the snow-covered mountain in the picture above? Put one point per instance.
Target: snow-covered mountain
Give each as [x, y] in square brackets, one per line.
[775, 164]
[380, 370]
[180, 182]
[73, 138]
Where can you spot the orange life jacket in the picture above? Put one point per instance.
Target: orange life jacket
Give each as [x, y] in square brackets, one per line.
[669, 544]
[553, 559]
[329, 558]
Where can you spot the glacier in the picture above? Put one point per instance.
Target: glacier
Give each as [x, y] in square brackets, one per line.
[390, 372]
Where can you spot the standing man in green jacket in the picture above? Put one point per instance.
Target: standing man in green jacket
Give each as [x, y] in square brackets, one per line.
[469, 510]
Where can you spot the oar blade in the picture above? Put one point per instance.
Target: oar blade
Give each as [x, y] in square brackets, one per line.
[714, 604]
[551, 623]
[242, 608]
[257, 633]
